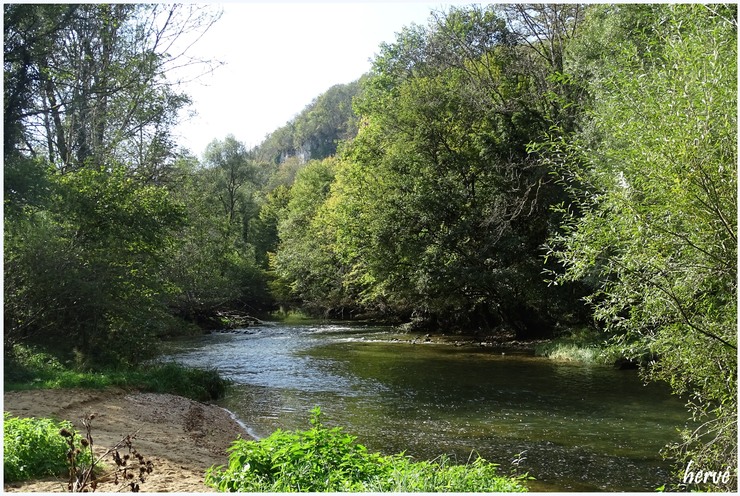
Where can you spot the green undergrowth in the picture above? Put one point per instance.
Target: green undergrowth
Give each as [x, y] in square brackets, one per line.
[578, 345]
[33, 447]
[28, 368]
[325, 459]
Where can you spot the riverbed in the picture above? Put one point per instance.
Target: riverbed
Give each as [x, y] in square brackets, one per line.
[573, 427]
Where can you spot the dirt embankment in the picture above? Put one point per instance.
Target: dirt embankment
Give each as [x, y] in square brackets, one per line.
[183, 438]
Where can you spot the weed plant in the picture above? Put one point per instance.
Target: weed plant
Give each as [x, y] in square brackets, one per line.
[86, 470]
[570, 352]
[33, 447]
[325, 459]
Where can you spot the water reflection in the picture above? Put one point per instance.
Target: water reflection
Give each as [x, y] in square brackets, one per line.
[580, 427]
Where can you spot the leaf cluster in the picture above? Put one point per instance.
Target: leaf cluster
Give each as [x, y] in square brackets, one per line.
[325, 459]
[32, 447]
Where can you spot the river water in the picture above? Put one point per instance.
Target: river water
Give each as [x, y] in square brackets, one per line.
[573, 427]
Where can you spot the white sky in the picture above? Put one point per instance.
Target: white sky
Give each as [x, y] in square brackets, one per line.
[280, 56]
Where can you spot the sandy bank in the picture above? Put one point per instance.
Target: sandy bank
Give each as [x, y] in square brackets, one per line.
[182, 437]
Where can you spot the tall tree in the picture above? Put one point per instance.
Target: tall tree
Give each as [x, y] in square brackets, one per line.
[233, 170]
[440, 210]
[86, 83]
[653, 177]
[88, 110]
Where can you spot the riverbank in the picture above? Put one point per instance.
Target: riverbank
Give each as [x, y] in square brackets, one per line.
[182, 437]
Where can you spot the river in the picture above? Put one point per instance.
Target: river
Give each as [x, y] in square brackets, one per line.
[573, 427]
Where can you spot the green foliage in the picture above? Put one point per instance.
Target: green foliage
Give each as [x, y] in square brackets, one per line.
[27, 368]
[86, 270]
[583, 344]
[442, 475]
[231, 172]
[652, 227]
[88, 220]
[96, 76]
[435, 210]
[570, 352]
[25, 184]
[305, 260]
[34, 448]
[327, 460]
[196, 384]
[214, 262]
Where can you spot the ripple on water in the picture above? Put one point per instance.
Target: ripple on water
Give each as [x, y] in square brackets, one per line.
[579, 427]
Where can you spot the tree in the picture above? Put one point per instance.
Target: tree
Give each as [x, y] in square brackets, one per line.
[215, 265]
[653, 177]
[86, 83]
[84, 273]
[439, 210]
[305, 264]
[233, 171]
[88, 109]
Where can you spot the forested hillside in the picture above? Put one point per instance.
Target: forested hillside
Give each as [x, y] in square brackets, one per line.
[510, 168]
[317, 130]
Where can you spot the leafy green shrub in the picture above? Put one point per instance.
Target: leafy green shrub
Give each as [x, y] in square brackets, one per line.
[442, 475]
[328, 460]
[33, 447]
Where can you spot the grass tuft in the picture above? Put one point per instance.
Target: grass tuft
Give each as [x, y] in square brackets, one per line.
[578, 345]
[569, 352]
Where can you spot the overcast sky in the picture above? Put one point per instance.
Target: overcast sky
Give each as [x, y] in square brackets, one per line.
[279, 56]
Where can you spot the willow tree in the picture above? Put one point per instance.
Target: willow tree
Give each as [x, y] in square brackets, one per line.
[652, 225]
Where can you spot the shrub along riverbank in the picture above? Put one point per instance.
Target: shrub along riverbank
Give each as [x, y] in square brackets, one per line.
[34, 447]
[324, 459]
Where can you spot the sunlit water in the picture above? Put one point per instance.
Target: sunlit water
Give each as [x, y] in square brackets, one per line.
[577, 427]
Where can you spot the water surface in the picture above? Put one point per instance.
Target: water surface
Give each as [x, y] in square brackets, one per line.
[577, 427]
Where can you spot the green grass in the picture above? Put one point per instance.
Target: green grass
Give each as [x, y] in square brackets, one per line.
[294, 317]
[34, 447]
[328, 460]
[577, 345]
[28, 368]
[569, 352]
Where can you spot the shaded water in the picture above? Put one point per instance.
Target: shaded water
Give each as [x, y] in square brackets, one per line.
[578, 427]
